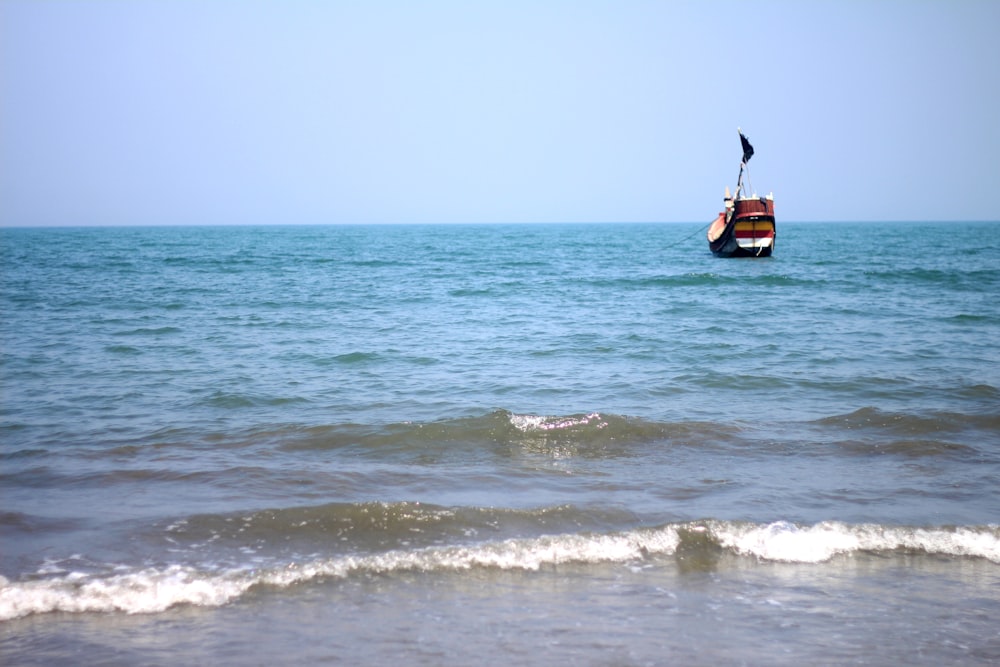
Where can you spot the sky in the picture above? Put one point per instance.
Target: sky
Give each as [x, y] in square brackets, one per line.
[152, 112]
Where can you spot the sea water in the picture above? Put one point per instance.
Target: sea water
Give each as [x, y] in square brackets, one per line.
[499, 444]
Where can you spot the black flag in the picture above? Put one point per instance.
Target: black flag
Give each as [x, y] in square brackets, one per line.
[747, 149]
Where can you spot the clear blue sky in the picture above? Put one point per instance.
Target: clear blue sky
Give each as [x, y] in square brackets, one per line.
[156, 112]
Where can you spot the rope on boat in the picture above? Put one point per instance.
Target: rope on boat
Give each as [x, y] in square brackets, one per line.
[688, 237]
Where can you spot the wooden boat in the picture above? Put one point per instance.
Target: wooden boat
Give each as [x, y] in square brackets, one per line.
[746, 227]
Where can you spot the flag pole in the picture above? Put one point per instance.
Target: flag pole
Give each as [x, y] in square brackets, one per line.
[747, 154]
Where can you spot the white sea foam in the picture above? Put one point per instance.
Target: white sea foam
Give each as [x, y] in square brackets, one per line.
[142, 591]
[155, 590]
[152, 590]
[783, 541]
[529, 423]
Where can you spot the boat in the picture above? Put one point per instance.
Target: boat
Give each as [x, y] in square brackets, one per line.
[746, 227]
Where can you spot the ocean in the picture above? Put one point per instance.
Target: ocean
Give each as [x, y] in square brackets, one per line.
[499, 445]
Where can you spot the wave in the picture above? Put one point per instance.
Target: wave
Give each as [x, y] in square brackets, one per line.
[147, 331]
[935, 422]
[705, 280]
[376, 526]
[221, 399]
[156, 589]
[925, 433]
[584, 434]
[965, 279]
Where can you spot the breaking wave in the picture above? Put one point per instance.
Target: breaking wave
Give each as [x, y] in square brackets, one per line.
[156, 589]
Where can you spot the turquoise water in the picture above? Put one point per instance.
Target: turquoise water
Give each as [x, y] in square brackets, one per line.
[473, 444]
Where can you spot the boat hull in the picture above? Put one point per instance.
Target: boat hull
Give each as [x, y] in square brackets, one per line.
[746, 230]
